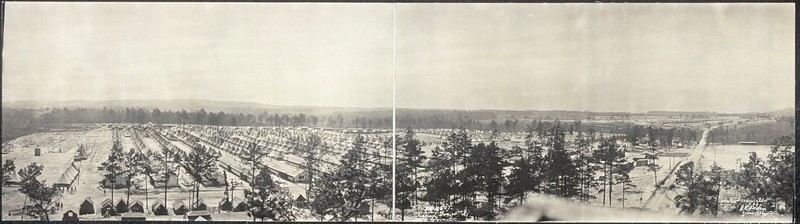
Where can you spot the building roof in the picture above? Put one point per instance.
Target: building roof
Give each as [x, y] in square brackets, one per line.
[89, 199]
[178, 203]
[198, 213]
[284, 168]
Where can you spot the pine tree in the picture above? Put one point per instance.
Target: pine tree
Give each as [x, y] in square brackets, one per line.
[8, 171]
[341, 193]
[113, 166]
[410, 160]
[252, 157]
[269, 199]
[702, 193]
[170, 162]
[201, 165]
[781, 171]
[562, 172]
[133, 167]
[611, 158]
[42, 196]
[586, 168]
[440, 182]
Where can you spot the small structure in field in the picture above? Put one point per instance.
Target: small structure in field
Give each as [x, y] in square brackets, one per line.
[641, 162]
[81, 154]
[121, 206]
[15, 180]
[239, 205]
[225, 205]
[70, 216]
[137, 206]
[300, 201]
[120, 182]
[748, 143]
[179, 208]
[107, 208]
[159, 208]
[200, 206]
[87, 206]
[37, 152]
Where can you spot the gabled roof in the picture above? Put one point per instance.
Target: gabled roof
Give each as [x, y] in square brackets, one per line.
[158, 202]
[236, 201]
[89, 199]
[178, 203]
[137, 201]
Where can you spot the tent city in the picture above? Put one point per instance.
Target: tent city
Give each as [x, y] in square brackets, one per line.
[404, 112]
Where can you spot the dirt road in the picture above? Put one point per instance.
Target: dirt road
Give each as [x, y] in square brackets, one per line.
[662, 198]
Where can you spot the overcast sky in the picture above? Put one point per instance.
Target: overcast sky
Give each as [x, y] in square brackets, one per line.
[283, 54]
[596, 57]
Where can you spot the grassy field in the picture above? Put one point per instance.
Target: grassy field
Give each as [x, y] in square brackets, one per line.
[763, 134]
[14, 131]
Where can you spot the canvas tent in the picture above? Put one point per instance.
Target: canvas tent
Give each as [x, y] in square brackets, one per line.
[137, 206]
[159, 208]
[107, 208]
[70, 216]
[81, 154]
[87, 206]
[300, 201]
[121, 206]
[15, 178]
[225, 205]
[179, 208]
[68, 177]
[239, 205]
[201, 205]
[121, 182]
[159, 183]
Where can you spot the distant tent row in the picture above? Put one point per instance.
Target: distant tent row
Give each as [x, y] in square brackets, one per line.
[68, 177]
[107, 208]
[81, 154]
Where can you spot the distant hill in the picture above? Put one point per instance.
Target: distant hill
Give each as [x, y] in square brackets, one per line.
[782, 112]
[189, 105]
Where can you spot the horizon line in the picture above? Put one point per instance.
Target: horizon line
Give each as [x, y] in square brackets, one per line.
[265, 105]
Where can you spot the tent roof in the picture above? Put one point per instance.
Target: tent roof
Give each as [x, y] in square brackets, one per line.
[137, 201]
[177, 203]
[89, 199]
[63, 179]
[236, 200]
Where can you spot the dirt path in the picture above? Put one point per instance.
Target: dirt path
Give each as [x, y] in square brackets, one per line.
[662, 198]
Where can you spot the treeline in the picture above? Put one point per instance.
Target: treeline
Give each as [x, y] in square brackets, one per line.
[200, 117]
[466, 181]
[664, 137]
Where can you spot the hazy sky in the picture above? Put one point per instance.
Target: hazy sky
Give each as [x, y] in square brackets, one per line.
[285, 54]
[597, 57]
